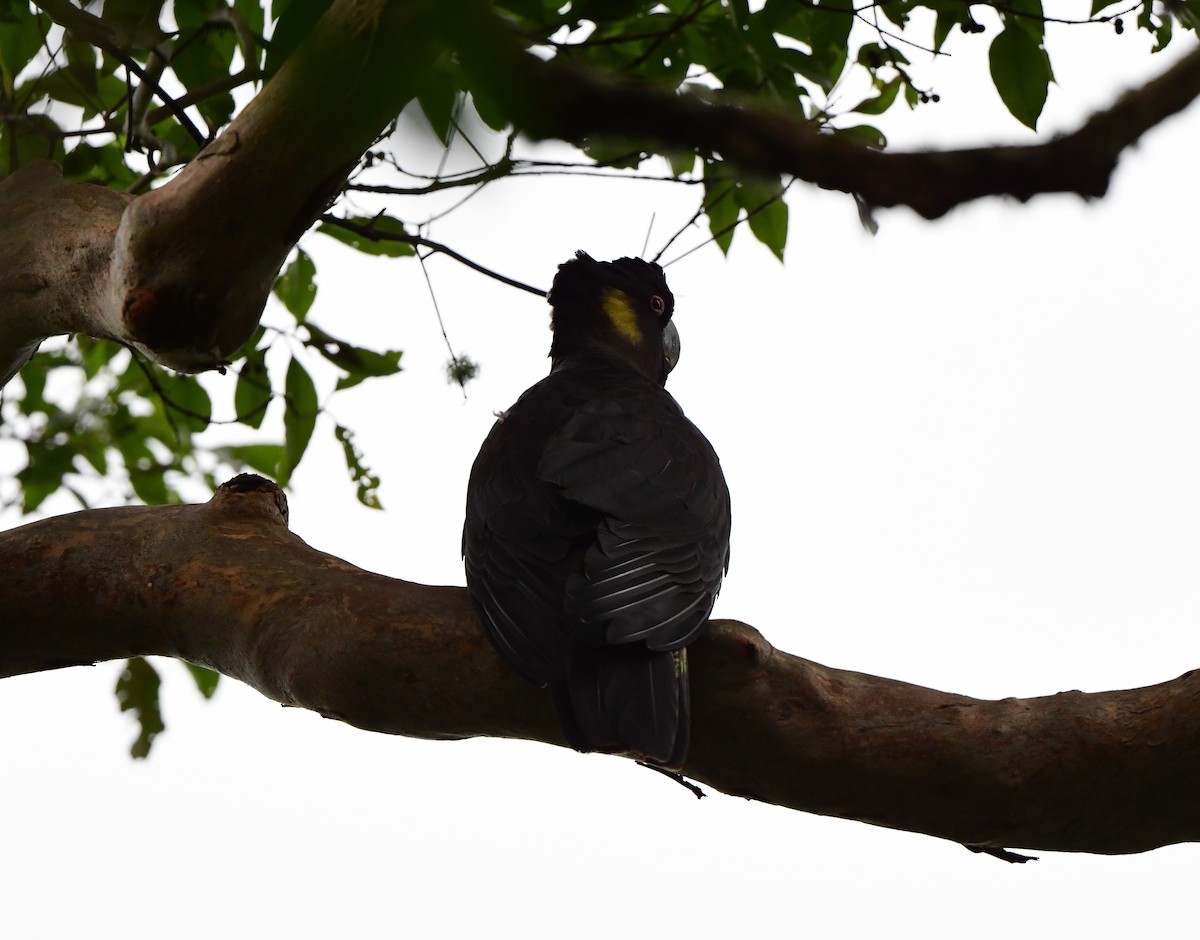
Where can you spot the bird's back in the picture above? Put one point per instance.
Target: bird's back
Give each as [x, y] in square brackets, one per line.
[596, 538]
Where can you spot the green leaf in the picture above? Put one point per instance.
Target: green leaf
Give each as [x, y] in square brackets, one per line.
[439, 97]
[104, 166]
[489, 112]
[253, 392]
[682, 163]
[766, 212]
[206, 679]
[1162, 35]
[864, 135]
[1028, 15]
[137, 691]
[253, 14]
[883, 101]
[1021, 74]
[299, 417]
[44, 472]
[27, 138]
[294, 23]
[150, 485]
[297, 287]
[357, 362]
[374, 239]
[366, 483]
[941, 28]
[20, 39]
[720, 204]
[368, 364]
[897, 11]
[831, 23]
[1098, 5]
[186, 401]
[267, 459]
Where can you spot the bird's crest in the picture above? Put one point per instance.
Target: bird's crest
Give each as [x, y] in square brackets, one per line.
[623, 306]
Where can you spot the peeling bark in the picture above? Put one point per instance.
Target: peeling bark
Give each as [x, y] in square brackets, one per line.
[226, 585]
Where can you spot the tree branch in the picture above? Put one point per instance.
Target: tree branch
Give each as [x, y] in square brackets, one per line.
[555, 99]
[183, 272]
[55, 243]
[226, 585]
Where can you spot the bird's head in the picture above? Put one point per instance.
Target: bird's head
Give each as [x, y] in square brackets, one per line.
[621, 307]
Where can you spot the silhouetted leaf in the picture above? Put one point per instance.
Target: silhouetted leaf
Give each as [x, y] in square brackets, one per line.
[1021, 74]
[299, 417]
[297, 287]
[137, 691]
[206, 679]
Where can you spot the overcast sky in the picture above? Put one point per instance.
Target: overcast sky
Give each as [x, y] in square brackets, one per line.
[962, 454]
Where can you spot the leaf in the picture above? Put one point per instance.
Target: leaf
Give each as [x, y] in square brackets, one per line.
[682, 163]
[883, 101]
[267, 459]
[294, 23]
[897, 11]
[20, 39]
[253, 392]
[766, 212]
[299, 417]
[616, 153]
[370, 364]
[941, 28]
[366, 483]
[380, 226]
[206, 679]
[186, 401]
[831, 23]
[865, 135]
[137, 691]
[357, 362]
[439, 98]
[1021, 74]
[1162, 35]
[1028, 15]
[44, 472]
[297, 287]
[33, 137]
[720, 205]
[150, 485]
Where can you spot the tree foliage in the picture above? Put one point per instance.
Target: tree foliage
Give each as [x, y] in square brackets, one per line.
[126, 94]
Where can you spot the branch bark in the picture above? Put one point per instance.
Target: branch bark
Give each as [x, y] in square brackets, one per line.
[553, 99]
[184, 271]
[226, 585]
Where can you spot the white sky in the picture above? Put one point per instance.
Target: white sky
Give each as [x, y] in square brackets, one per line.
[961, 454]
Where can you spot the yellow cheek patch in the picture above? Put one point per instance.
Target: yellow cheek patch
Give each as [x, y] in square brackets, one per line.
[621, 314]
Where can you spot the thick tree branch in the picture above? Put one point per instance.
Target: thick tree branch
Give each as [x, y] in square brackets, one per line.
[554, 99]
[226, 585]
[183, 272]
[55, 243]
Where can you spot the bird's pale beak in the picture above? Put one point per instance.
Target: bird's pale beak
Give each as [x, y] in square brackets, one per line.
[670, 341]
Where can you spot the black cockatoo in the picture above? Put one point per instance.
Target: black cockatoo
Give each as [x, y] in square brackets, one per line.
[597, 520]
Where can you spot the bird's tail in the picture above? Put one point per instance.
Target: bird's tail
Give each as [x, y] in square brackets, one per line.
[627, 700]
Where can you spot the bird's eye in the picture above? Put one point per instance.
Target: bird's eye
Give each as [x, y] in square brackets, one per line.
[657, 304]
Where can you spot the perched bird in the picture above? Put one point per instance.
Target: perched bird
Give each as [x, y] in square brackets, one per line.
[597, 520]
